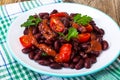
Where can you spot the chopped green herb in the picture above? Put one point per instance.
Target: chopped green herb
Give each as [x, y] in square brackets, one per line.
[37, 21]
[72, 33]
[83, 20]
[31, 21]
[44, 54]
[61, 34]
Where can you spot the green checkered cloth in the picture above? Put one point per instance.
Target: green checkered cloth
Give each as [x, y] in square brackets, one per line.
[10, 69]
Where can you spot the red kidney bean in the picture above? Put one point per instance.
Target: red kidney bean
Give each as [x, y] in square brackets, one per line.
[38, 36]
[35, 30]
[75, 46]
[43, 14]
[41, 41]
[75, 40]
[54, 11]
[96, 53]
[105, 45]
[46, 17]
[25, 32]
[62, 40]
[93, 59]
[99, 38]
[73, 14]
[51, 60]
[65, 21]
[42, 37]
[33, 47]
[96, 29]
[55, 66]
[65, 64]
[44, 62]
[92, 23]
[56, 45]
[87, 63]
[37, 57]
[83, 55]
[101, 31]
[76, 59]
[38, 51]
[35, 16]
[80, 64]
[72, 55]
[31, 55]
[26, 50]
[72, 65]
[84, 46]
[48, 41]
[65, 30]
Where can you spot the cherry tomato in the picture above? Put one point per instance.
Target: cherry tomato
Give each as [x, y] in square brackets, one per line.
[26, 41]
[84, 37]
[59, 14]
[89, 28]
[64, 54]
[56, 25]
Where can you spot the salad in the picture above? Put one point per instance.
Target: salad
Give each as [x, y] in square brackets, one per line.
[59, 39]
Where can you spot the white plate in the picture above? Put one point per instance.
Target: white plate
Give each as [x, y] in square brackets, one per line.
[112, 35]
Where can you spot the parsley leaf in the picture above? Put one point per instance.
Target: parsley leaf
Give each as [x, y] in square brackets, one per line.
[72, 33]
[83, 20]
[31, 21]
[61, 34]
[44, 54]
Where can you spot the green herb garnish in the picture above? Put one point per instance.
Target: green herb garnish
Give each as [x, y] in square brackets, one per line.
[83, 20]
[31, 21]
[61, 34]
[72, 33]
[44, 54]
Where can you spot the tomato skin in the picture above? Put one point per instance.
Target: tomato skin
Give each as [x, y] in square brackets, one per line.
[56, 25]
[26, 41]
[89, 28]
[59, 14]
[64, 54]
[84, 37]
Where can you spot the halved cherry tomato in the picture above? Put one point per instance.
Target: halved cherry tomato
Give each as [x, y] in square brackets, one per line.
[89, 28]
[59, 14]
[56, 25]
[64, 54]
[84, 37]
[26, 41]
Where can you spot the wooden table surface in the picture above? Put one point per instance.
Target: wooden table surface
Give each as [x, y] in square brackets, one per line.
[110, 7]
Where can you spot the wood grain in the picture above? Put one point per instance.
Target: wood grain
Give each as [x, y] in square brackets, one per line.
[2, 2]
[110, 7]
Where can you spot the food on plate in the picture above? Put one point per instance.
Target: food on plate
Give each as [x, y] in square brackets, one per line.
[59, 39]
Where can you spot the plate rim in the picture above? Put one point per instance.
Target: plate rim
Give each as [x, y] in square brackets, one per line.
[54, 74]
